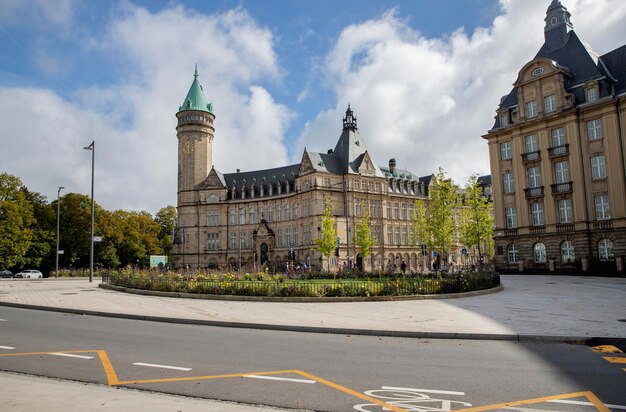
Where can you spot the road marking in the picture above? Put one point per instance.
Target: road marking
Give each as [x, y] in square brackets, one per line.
[623, 407]
[615, 359]
[154, 365]
[587, 394]
[393, 388]
[7, 347]
[606, 349]
[3, 320]
[70, 355]
[276, 378]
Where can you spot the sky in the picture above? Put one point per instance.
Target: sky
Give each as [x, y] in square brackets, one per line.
[423, 77]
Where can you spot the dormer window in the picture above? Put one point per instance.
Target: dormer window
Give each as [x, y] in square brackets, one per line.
[504, 119]
[592, 94]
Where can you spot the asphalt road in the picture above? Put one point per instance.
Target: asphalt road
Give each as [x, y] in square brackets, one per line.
[308, 371]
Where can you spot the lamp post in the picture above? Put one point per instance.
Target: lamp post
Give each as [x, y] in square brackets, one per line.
[58, 225]
[91, 147]
[239, 217]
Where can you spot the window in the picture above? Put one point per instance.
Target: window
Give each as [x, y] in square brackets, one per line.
[540, 252]
[531, 108]
[605, 249]
[279, 237]
[504, 119]
[508, 183]
[233, 240]
[602, 207]
[505, 150]
[279, 214]
[594, 129]
[511, 217]
[390, 235]
[403, 211]
[213, 241]
[531, 143]
[534, 177]
[251, 215]
[242, 216]
[396, 211]
[261, 215]
[598, 167]
[397, 235]
[295, 211]
[388, 210]
[288, 236]
[327, 181]
[213, 218]
[405, 235]
[242, 240]
[567, 251]
[549, 104]
[561, 172]
[537, 214]
[558, 137]
[512, 253]
[270, 214]
[295, 236]
[565, 211]
[592, 94]
[232, 216]
[287, 212]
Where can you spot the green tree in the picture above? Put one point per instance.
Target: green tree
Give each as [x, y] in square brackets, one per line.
[167, 219]
[75, 229]
[16, 219]
[326, 242]
[433, 222]
[476, 217]
[41, 253]
[364, 241]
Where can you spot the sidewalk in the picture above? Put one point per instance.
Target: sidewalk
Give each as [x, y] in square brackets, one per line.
[552, 308]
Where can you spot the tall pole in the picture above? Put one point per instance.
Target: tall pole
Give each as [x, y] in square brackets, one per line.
[239, 217]
[91, 147]
[58, 225]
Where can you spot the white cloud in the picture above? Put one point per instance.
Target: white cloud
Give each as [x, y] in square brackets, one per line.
[426, 102]
[134, 122]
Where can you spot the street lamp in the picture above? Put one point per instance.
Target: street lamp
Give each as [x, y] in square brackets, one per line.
[91, 147]
[58, 224]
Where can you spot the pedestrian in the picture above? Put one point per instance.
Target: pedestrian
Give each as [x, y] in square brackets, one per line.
[403, 267]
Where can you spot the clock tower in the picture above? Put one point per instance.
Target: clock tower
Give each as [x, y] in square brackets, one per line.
[558, 26]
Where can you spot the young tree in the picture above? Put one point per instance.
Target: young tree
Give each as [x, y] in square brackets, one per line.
[476, 217]
[16, 219]
[327, 241]
[433, 223]
[364, 241]
[167, 219]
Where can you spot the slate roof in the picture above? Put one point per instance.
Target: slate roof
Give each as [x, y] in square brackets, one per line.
[279, 175]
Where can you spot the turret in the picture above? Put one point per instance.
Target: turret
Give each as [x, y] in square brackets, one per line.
[558, 26]
[195, 138]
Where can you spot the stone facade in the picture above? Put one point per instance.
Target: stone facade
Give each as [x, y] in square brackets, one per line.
[557, 158]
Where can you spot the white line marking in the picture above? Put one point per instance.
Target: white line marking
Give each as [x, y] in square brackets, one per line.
[275, 378]
[7, 347]
[3, 320]
[71, 355]
[623, 407]
[393, 388]
[153, 365]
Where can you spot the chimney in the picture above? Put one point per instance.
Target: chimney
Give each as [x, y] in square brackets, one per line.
[392, 166]
[237, 170]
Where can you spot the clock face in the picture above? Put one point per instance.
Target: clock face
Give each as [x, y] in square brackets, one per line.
[554, 21]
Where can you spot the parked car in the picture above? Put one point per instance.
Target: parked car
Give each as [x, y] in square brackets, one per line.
[6, 274]
[29, 273]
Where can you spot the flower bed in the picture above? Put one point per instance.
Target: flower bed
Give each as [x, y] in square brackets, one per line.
[282, 286]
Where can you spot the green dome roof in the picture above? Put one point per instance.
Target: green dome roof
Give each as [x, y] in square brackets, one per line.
[195, 99]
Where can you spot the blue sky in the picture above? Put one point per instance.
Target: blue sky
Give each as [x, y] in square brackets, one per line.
[424, 79]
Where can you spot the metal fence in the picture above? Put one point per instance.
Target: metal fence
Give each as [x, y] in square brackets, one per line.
[284, 287]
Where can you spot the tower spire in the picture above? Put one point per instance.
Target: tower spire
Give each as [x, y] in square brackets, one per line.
[558, 25]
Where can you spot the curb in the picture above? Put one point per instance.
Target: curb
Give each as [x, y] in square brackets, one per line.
[243, 298]
[311, 329]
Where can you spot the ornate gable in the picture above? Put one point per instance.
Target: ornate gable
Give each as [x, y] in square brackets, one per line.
[367, 165]
[213, 181]
[306, 166]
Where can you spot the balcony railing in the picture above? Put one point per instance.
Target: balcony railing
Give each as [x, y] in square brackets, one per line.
[533, 192]
[603, 224]
[536, 230]
[561, 188]
[510, 232]
[565, 227]
[531, 156]
[557, 151]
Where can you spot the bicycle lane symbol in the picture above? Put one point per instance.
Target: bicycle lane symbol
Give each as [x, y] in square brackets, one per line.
[412, 400]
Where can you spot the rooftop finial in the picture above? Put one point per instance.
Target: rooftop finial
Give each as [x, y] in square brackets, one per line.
[195, 73]
[350, 120]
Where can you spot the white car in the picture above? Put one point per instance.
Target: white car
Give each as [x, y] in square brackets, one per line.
[29, 273]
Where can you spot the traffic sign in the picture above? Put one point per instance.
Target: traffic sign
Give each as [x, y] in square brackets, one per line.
[61, 252]
[464, 251]
[338, 241]
[97, 239]
[435, 254]
[423, 246]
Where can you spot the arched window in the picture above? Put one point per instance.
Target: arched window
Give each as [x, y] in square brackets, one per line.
[605, 249]
[512, 253]
[567, 251]
[540, 252]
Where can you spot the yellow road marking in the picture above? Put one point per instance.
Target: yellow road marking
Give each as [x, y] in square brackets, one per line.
[587, 394]
[350, 391]
[194, 378]
[108, 368]
[606, 349]
[615, 359]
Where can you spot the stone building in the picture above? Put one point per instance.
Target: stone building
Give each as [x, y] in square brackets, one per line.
[557, 158]
[263, 217]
